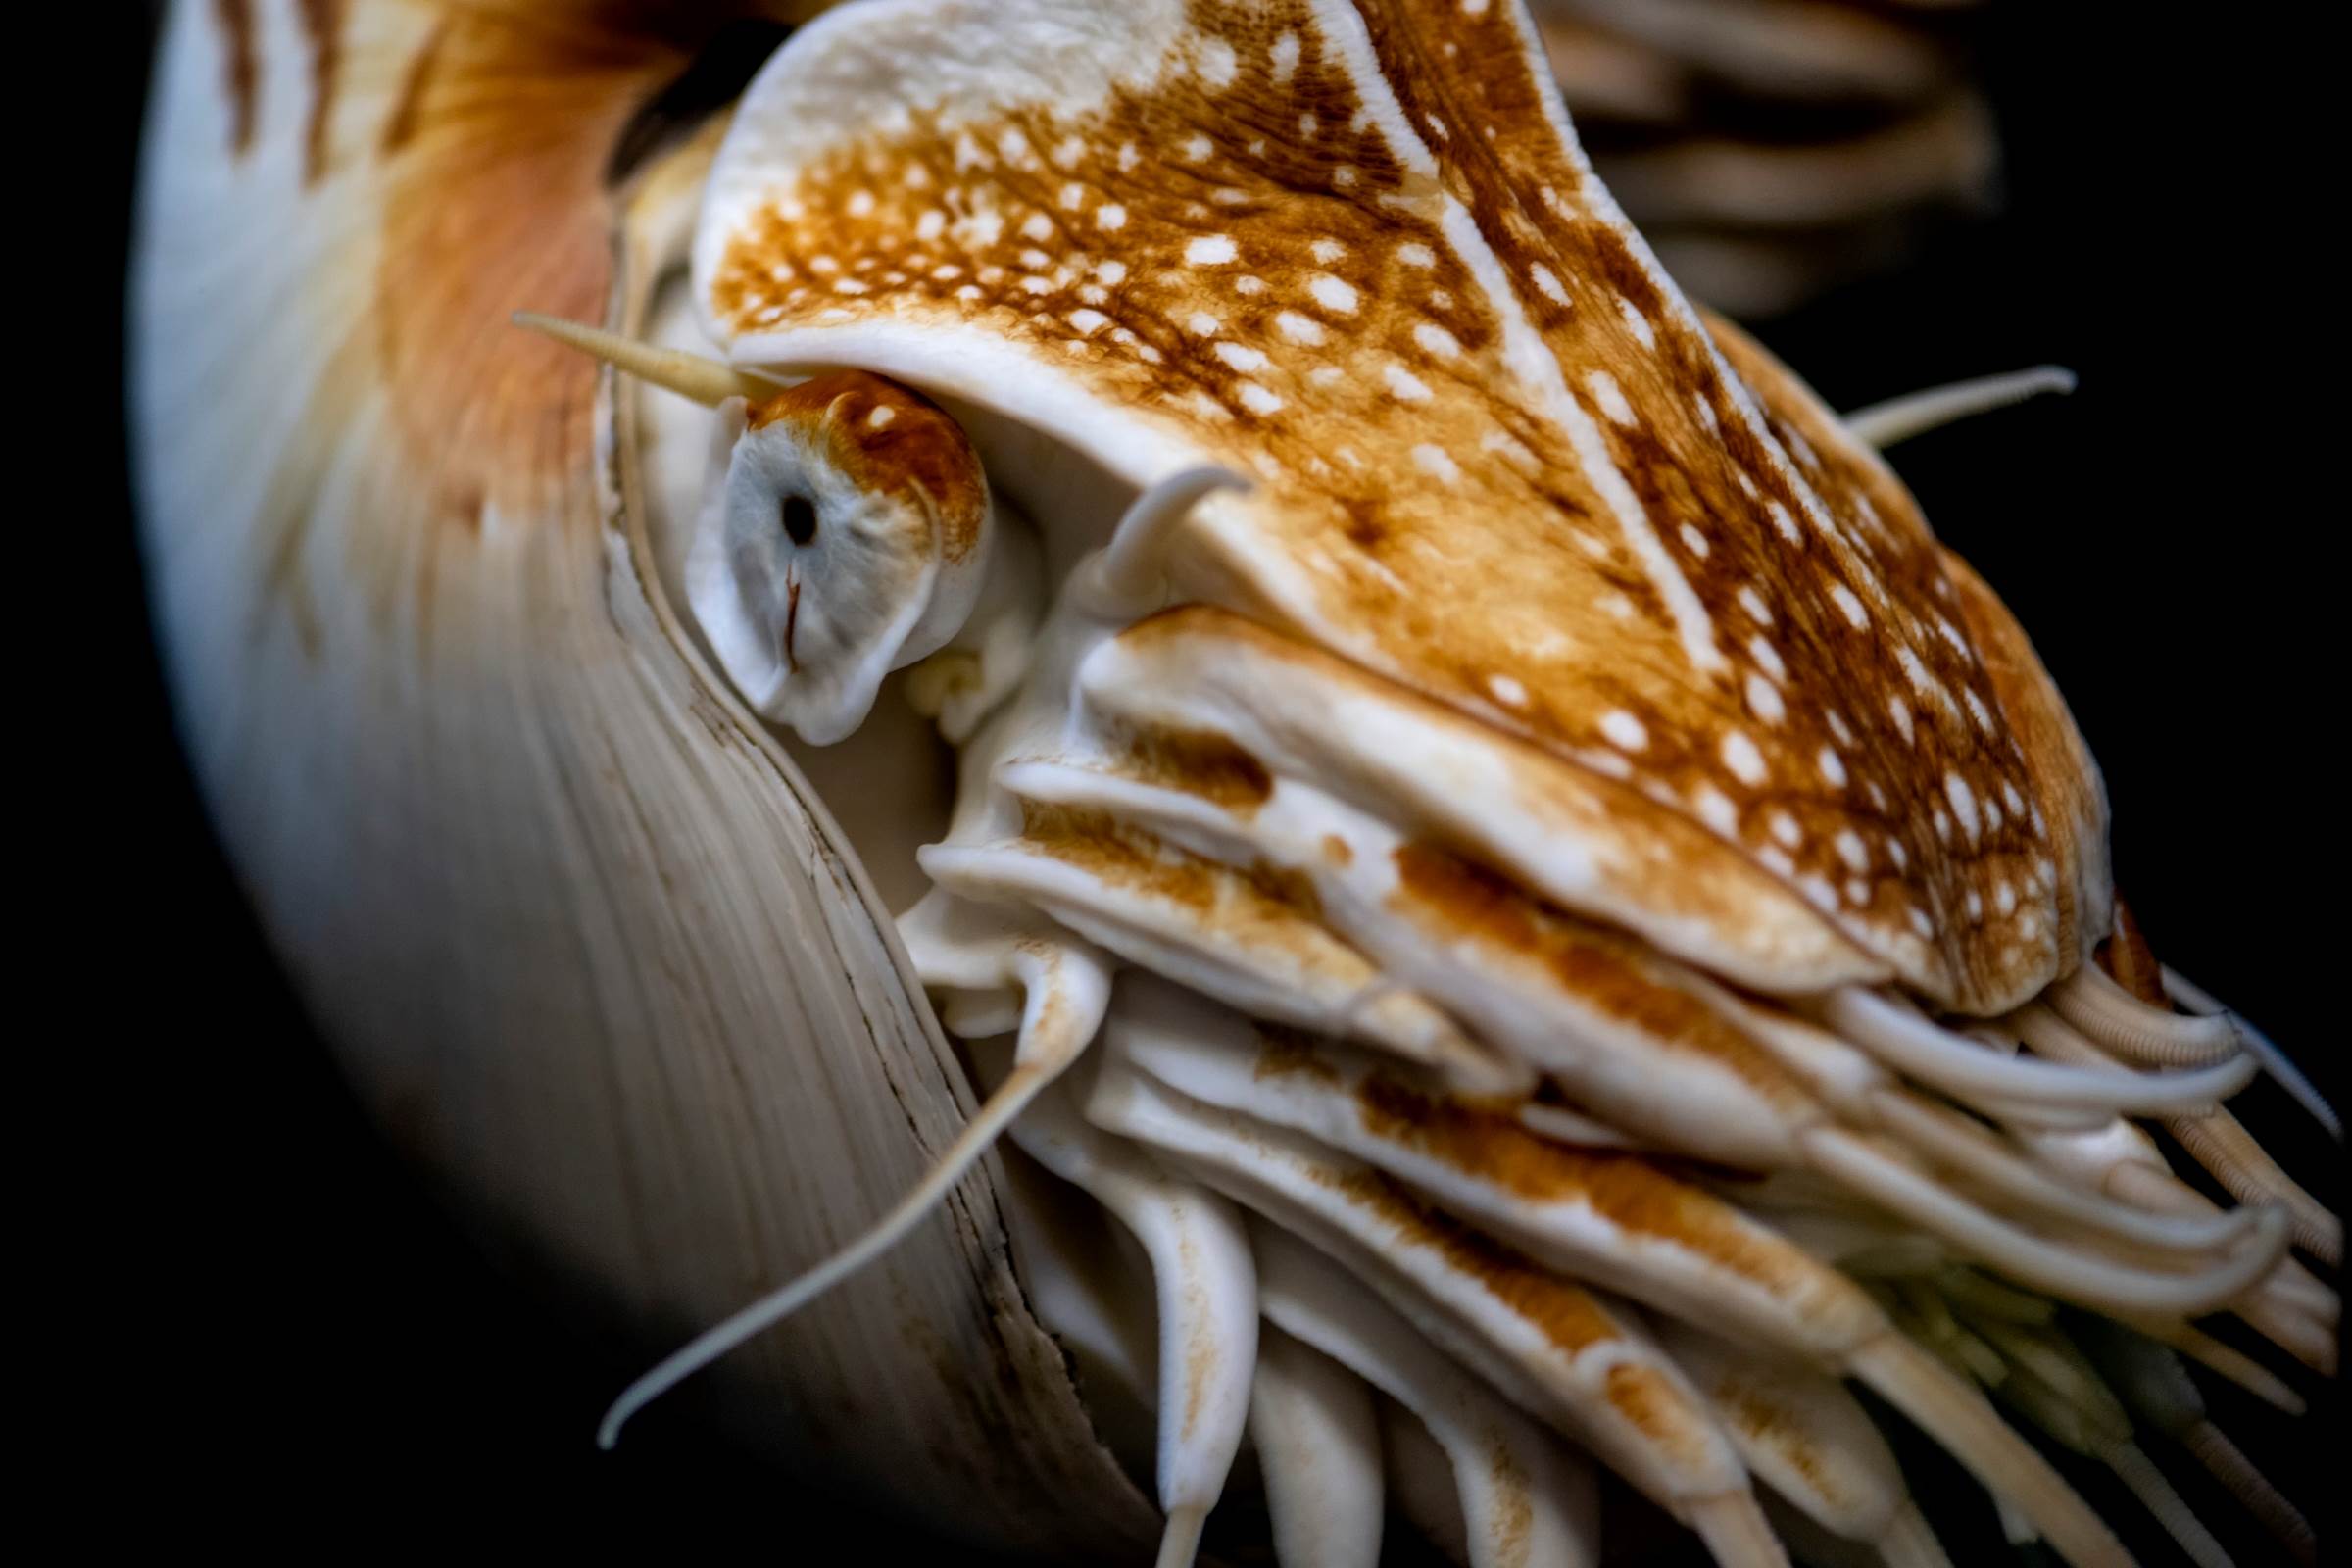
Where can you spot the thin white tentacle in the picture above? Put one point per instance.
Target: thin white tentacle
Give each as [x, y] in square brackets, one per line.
[1206, 1285]
[2275, 1061]
[2151, 1036]
[1882, 424]
[1522, 1501]
[1068, 990]
[1129, 578]
[1318, 1435]
[1904, 1039]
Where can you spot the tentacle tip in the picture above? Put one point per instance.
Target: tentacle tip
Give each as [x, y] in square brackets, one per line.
[1180, 1538]
[561, 328]
[2266, 1244]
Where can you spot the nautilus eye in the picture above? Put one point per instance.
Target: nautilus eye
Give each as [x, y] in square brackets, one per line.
[845, 530]
[799, 516]
[845, 534]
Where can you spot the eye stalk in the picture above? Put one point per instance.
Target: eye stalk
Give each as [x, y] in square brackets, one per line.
[846, 531]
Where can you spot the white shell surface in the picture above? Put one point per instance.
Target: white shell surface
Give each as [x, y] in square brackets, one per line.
[577, 928]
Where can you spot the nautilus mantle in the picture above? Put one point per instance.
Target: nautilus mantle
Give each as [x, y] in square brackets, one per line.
[1170, 585]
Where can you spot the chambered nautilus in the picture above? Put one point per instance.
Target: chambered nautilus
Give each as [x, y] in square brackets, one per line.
[1525, 918]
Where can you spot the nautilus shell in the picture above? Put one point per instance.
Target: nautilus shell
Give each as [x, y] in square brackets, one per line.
[1475, 821]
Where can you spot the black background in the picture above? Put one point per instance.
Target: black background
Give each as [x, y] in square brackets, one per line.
[281, 1342]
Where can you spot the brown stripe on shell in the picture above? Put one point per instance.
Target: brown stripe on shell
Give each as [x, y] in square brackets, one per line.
[322, 27]
[240, 69]
[401, 124]
[497, 203]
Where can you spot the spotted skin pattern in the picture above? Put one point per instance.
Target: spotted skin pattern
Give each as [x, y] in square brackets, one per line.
[1353, 251]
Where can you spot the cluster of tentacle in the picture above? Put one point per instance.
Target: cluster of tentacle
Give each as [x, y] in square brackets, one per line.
[1558, 1196]
[1555, 912]
[1397, 1132]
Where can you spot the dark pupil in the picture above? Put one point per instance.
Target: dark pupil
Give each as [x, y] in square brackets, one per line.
[800, 518]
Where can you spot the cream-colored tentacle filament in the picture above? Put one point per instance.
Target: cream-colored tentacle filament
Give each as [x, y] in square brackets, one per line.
[1882, 424]
[1128, 578]
[1206, 1285]
[2150, 1035]
[2275, 1061]
[707, 382]
[1068, 990]
[1905, 1039]
[1318, 1435]
[2212, 1137]
[1525, 1503]
[2153, 1384]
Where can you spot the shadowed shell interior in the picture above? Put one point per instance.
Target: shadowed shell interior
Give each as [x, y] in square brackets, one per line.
[1454, 692]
